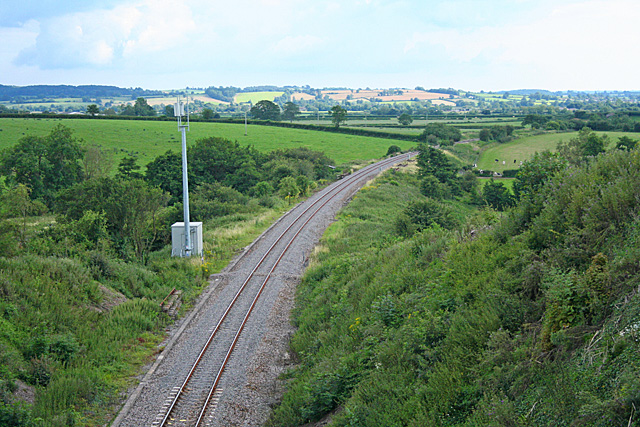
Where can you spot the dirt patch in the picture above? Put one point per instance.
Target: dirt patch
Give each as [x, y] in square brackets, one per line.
[110, 299]
[303, 96]
[24, 393]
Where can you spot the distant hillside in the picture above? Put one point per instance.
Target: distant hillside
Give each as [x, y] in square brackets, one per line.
[528, 92]
[10, 93]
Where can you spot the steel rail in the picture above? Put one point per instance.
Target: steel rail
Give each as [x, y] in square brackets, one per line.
[253, 304]
[327, 197]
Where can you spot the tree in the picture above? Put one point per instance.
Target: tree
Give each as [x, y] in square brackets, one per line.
[587, 144]
[533, 173]
[435, 133]
[426, 213]
[393, 149]
[291, 110]
[165, 172]
[142, 108]
[131, 207]
[95, 163]
[218, 159]
[127, 110]
[44, 164]
[432, 161]
[405, 119]
[485, 135]
[261, 189]
[535, 120]
[168, 111]
[625, 143]
[338, 115]
[497, 195]
[496, 133]
[207, 114]
[266, 110]
[25, 163]
[439, 177]
[138, 206]
[92, 109]
[129, 169]
[288, 188]
[17, 204]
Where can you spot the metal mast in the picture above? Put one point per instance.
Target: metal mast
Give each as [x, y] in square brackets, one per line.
[181, 109]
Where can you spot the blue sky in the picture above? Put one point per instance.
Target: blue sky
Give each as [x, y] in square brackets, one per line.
[472, 45]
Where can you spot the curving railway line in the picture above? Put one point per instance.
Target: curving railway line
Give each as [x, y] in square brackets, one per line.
[191, 372]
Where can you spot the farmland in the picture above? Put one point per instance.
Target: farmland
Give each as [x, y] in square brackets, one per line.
[148, 139]
[524, 148]
[170, 100]
[384, 95]
[255, 97]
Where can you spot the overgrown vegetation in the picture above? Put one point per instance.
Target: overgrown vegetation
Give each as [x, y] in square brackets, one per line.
[85, 261]
[439, 133]
[523, 318]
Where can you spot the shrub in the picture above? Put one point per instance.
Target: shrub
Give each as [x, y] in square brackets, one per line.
[497, 195]
[393, 149]
[424, 214]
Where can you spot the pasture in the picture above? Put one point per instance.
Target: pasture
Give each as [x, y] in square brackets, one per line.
[255, 97]
[148, 139]
[524, 148]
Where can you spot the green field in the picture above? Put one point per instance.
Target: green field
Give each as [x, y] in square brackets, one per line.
[255, 97]
[397, 130]
[522, 149]
[148, 139]
[507, 182]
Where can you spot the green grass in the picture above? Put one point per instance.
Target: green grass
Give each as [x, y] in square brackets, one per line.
[255, 97]
[396, 130]
[523, 149]
[59, 301]
[446, 329]
[507, 182]
[148, 139]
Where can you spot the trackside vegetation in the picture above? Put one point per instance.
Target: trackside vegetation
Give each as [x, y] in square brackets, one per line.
[435, 300]
[85, 259]
[425, 307]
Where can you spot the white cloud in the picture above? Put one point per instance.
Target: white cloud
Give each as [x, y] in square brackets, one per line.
[15, 39]
[291, 45]
[101, 53]
[578, 42]
[102, 37]
[568, 44]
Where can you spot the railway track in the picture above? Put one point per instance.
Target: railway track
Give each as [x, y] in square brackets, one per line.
[193, 402]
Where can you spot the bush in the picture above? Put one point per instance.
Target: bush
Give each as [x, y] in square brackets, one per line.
[440, 133]
[393, 149]
[497, 195]
[424, 214]
[14, 415]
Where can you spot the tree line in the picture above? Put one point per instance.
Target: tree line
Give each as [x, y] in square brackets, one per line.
[61, 174]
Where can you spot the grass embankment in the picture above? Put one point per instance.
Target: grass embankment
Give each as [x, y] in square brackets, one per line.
[531, 322]
[147, 139]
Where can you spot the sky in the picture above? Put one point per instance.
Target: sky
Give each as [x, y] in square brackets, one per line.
[474, 45]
